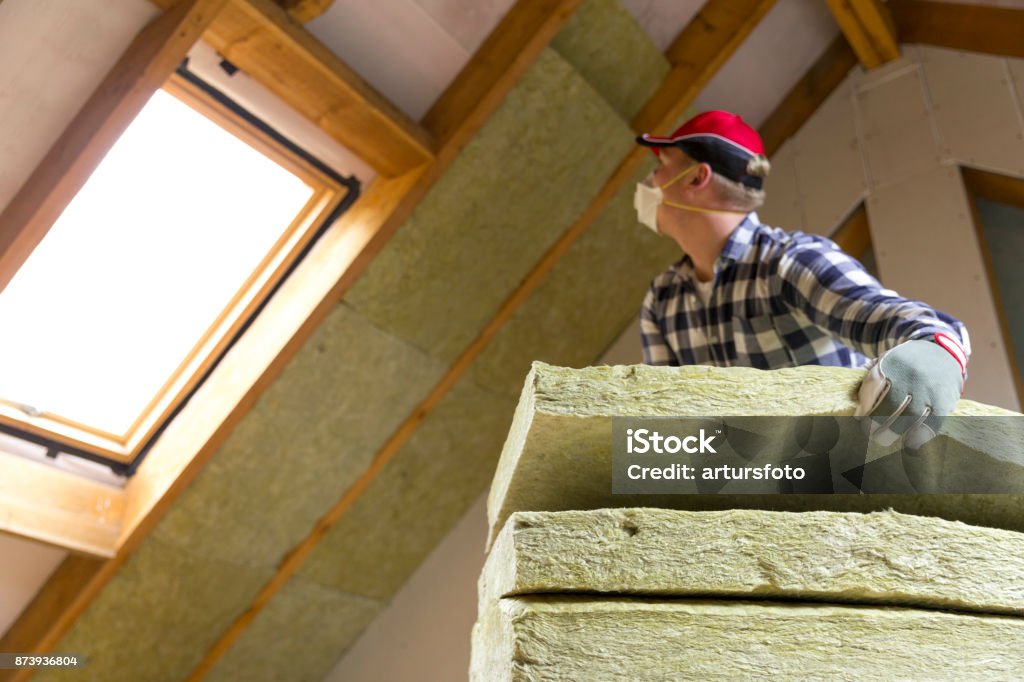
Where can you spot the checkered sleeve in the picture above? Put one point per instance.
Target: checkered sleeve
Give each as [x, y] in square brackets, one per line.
[839, 297]
[656, 350]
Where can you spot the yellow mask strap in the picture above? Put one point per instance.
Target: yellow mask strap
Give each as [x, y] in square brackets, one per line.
[698, 209]
[687, 207]
[682, 174]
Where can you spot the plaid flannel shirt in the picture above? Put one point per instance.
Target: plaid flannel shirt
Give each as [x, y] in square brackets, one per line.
[781, 299]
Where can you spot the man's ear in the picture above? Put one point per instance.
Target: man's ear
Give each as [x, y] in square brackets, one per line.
[702, 177]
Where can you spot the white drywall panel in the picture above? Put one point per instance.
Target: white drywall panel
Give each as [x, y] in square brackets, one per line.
[776, 54]
[662, 20]
[24, 567]
[897, 136]
[974, 108]
[782, 203]
[53, 54]
[927, 249]
[829, 166]
[467, 22]
[396, 46]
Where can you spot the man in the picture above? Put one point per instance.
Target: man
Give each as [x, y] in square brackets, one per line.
[745, 294]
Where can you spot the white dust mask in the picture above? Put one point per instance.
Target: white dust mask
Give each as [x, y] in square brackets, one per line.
[649, 197]
[646, 201]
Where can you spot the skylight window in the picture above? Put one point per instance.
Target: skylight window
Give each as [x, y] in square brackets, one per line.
[148, 271]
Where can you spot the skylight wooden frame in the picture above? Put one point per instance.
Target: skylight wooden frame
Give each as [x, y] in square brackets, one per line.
[328, 193]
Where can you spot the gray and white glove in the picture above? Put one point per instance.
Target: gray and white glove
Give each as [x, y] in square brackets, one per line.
[910, 389]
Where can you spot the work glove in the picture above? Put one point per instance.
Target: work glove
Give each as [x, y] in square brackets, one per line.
[910, 389]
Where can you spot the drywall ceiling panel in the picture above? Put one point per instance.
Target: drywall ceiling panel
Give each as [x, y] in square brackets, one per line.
[53, 54]
[975, 108]
[396, 46]
[607, 272]
[468, 22]
[927, 249]
[298, 636]
[662, 20]
[1016, 67]
[829, 166]
[24, 567]
[158, 615]
[782, 203]
[626, 76]
[514, 189]
[898, 140]
[775, 55]
[307, 439]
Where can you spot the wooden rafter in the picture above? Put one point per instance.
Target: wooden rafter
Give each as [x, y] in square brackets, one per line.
[305, 11]
[699, 51]
[810, 92]
[853, 235]
[978, 28]
[146, 64]
[302, 11]
[258, 37]
[60, 508]
[869, 29]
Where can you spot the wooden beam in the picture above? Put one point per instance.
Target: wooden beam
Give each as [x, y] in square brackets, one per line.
[722, 26]
[810, 92]
[60, 508]
[854, 236]
[28, 633]
[305, 11]
[146, 64]
[260, 38]
[977, 28]
[697, 53]
[869, 29]
[994, 187]
[506, 54]
[302, 11]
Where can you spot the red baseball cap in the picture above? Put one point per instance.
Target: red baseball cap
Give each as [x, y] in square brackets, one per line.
[721, 139]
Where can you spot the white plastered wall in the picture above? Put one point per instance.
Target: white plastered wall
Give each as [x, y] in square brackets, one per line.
[895, 137]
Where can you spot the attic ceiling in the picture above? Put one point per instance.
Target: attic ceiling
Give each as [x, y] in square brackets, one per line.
[537, 163]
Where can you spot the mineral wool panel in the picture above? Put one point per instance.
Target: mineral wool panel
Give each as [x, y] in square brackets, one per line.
[309, 437]
[558, 452]
[299, 635]
[627, 75]
[877, 558]
[155, 619]
[585, 301]
[586, 638]
[508, 196]
[416, 498]
[975, 109]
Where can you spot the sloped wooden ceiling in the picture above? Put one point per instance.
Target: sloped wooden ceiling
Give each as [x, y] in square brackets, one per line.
[387, 419]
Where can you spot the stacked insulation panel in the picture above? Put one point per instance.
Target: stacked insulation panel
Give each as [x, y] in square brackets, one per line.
[580, 584]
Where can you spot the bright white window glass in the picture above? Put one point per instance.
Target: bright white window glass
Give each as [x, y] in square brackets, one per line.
[139, 266]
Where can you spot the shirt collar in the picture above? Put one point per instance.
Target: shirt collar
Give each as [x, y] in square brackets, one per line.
[735, 246]
[740, 239]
